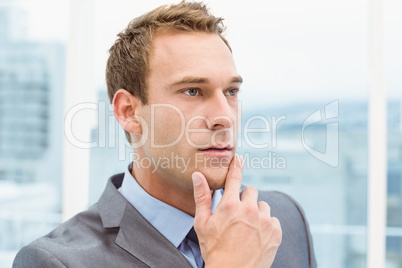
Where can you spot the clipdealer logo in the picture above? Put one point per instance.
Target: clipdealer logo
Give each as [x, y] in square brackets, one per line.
[327, 115]
[107, 124]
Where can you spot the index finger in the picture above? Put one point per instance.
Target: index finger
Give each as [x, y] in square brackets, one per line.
[233, 178]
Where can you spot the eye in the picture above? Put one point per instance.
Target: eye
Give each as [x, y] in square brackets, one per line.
[192, 92]
[232, 92]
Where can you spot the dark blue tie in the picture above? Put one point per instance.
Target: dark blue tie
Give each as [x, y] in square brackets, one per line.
[192, 236]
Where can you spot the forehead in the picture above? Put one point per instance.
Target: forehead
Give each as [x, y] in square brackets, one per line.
[178, 54]
[182, 39]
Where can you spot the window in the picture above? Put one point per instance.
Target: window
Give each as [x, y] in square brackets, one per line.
[393, 85]
[30, 155]
[305, 114]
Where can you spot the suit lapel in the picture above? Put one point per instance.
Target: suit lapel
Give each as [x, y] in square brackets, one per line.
[136, 235]
[142, 240]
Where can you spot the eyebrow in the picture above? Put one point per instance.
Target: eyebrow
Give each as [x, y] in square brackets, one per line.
[203, 80]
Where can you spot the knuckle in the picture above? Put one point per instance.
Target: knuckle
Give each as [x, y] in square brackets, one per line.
[277, 224]
[278, 237]
[236, 176]
[200, 198]
[251, 209]
[229, 206]
[266, 209]
[266, 221]
[251, 190]
[251, 212]
[276, 230]
[271, 222]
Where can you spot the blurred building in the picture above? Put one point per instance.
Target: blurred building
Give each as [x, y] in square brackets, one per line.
[31, 131]
[394, 186]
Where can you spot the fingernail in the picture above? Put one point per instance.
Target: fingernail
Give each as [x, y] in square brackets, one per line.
[196, 179]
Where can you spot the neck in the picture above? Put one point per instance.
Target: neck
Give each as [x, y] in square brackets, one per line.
[167, 191]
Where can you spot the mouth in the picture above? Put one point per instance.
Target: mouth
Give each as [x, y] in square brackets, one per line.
[217, 151]
[217, 148]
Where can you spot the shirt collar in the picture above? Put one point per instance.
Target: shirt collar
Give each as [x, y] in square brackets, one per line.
[171, 222]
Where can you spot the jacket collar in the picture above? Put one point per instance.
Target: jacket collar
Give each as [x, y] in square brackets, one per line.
[136, 235]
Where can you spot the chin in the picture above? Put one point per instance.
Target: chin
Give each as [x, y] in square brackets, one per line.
[216, 177]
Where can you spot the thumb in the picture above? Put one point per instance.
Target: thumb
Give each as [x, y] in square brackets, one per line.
[202, 197]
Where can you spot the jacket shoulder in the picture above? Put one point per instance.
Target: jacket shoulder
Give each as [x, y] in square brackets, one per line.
[38, 257]
[281, 203]
[72, 238]
[86, 240]
[296, 249]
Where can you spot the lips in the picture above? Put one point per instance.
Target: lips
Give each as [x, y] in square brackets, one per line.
[217, 151]
[217, 147]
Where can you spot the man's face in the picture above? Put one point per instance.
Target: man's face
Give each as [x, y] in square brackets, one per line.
[192, 108]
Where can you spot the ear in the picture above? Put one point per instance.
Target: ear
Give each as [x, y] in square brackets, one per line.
[125, 107]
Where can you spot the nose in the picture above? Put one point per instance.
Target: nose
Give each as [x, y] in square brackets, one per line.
[222, 113]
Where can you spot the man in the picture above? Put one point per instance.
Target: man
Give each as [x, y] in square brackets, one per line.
[173, 84]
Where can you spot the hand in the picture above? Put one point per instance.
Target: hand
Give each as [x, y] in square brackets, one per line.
[241, 232]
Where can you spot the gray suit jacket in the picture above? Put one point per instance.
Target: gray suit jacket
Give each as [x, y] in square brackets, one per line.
[112, 233]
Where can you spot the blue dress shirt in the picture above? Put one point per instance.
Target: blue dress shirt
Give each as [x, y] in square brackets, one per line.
[171, 222]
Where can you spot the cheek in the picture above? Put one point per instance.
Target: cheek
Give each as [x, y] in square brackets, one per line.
[197, 133]
[167, 125]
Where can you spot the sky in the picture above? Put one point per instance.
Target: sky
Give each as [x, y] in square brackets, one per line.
[287, 51]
